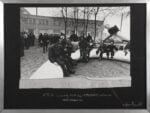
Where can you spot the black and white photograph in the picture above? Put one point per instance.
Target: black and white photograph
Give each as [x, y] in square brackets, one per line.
[75, 47]
[75, 56]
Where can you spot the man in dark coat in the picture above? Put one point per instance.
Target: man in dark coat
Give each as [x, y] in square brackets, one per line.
[83, 44]
[32, 39]
[45, 42]
[26, 39]
[127, 48]
[89, 38]
[90, 42]
[102, 49]
[111, 49]
[74, 37]
[40, 40]
[56, 54]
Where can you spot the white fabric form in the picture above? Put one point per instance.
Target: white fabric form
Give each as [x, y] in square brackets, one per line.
[76, 55]
[50, 70]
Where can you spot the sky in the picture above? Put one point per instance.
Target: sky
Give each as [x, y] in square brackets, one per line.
[110, 20]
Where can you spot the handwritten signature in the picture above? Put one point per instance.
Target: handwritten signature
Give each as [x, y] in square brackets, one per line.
[132, 104]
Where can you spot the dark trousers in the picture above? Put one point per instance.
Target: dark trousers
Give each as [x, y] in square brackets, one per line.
[84, 53]
[64, 65]
[111, 53]
[45, 48]
[102, 52]
[108, 53]
[27, 44]
[32, 42]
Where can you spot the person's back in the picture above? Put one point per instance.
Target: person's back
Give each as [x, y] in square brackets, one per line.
[74, 37]
[44, 39]
[112, 47]
[83, 43]
[51, 53]
[40, 37]
[89, 38]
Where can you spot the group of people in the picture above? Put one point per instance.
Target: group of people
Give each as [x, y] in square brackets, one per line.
[27, 40]
[108, 49]
[60, 48]
[43, 41]
[59, 52]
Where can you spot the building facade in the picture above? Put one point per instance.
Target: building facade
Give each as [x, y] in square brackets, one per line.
[56, 25]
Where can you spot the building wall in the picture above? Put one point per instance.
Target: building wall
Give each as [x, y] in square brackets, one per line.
[55, 25]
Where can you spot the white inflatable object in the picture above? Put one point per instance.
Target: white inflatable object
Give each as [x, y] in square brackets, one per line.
[75, 45]
[93, 53]
[76, 55]
[48, 70]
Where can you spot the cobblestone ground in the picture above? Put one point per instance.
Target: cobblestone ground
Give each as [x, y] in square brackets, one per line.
[104, 68]
[34, 58]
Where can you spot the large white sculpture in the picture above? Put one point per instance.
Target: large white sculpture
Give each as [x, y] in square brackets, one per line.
[48, 70]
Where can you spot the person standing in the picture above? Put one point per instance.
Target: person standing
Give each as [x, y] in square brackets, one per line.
[26, 39]
[89, 38]
[40, 40]
[45, 42]
[90, 43]
[83, 44]
[73, 37]
[56, 54]
[32, 39]
[111, 49]
[102, 49]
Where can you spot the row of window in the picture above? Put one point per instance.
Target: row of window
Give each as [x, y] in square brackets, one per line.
[55, 23]
[33, 21]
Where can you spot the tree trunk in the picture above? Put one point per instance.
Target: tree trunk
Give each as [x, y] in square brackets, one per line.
[87, 21]
[84, 22]
[77, 23]
[95, 29]
[65, 29]
[121, 21]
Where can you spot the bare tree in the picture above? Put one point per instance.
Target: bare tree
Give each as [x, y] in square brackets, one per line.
[64, 15]
[86, 12]
[88, 15]
[76, 11]
[95, 11]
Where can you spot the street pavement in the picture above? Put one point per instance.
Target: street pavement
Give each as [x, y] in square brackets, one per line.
[33, 58]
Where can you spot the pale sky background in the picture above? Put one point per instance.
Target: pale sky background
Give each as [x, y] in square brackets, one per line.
[110, 20]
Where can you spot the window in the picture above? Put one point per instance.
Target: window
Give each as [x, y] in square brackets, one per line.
[46, 22]
[25, 20]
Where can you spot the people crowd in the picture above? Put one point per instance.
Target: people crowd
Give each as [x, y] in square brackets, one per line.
[60, 47]
[27, 40]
